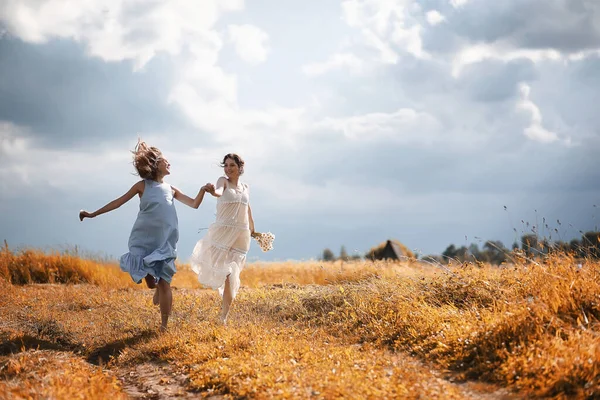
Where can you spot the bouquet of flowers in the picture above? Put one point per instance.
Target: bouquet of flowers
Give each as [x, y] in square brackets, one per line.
[264, 240]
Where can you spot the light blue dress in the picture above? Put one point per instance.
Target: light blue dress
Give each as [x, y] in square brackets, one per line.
[153, 239]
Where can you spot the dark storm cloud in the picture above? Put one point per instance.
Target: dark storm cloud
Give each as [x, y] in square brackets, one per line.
[483, 82]
[566, 25]
[493, 80]
[66, 98]
[574, 96]
[496, 165]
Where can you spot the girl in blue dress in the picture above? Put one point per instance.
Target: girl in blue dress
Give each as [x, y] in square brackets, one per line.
[153, 239]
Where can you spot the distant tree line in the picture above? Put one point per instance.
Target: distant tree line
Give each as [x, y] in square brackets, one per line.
[328, 255]
[531, 245]
[587, 246]
[494, 251]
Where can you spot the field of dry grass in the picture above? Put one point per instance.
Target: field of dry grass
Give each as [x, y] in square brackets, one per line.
[74, 328]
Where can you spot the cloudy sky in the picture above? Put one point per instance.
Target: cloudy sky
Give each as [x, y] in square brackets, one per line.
[359, 120]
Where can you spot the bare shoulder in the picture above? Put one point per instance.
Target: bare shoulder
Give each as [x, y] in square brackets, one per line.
[139, 186]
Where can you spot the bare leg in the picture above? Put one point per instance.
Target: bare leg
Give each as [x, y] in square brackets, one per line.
[227, 300]
[152, 285]
[241, 243]
[156, 297]
[150, 281]
[166, 302]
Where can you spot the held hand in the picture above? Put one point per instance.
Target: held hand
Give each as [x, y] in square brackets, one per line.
[84, 214]
[210, 188]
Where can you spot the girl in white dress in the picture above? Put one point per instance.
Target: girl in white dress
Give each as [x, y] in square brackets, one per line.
[220, 256]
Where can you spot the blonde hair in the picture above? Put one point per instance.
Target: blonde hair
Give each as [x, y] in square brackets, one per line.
[145, 160]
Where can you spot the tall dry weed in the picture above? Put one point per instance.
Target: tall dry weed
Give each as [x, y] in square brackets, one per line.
[29, 266]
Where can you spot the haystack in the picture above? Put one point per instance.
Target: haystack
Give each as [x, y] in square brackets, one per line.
[390, 250]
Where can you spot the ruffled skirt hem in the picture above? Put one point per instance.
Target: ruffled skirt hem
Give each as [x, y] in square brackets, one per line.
[214, 264]
[160, 264]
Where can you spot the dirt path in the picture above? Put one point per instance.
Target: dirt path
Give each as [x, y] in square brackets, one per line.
[470, 390]
[154, 381]
[151, 380]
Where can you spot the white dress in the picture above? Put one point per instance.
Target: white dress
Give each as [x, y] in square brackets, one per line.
[222, 252]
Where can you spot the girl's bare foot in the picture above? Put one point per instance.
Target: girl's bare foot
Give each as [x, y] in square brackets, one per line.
[155, 297]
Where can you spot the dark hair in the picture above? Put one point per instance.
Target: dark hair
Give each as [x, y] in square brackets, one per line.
[145, 160]
[238, 160]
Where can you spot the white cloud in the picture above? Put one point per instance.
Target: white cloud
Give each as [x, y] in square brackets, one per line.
[336, 61]
[23, 162]
[12, 140]
[394, 28]
[458, 3]
[250, 42]
[116, 30]
[477, 53]
[409, 39]
[404, 125]
[254, 130]
[137, 31]
[535, 131]
[387, 55]
[206, 82]
[434, 17]
[14, 145]
[386, 26]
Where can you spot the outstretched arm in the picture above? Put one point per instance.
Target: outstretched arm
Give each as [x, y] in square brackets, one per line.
[138, 188]
[188, 201]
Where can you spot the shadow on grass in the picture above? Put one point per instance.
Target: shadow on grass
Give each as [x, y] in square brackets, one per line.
[27, 342]
[103, 354]
[97, 356]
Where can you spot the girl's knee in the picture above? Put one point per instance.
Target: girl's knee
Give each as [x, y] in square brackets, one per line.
[150, 281]
[163, 284]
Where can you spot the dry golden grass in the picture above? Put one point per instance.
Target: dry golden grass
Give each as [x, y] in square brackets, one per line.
[34, 266]
[55, 375]
[324, 273]
[311, 330]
